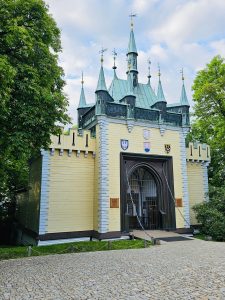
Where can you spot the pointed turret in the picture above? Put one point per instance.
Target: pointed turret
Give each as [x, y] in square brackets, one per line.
[82, 102]
[101, 86]
[132, 55]
[183, 96]
[160, 94]
[132, 45]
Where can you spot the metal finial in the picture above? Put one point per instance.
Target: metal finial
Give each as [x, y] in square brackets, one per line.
[82, 79]
[114, 58]
[131, 19]
[182, 74]
[159, 71]
[149, 68]
[102, 52]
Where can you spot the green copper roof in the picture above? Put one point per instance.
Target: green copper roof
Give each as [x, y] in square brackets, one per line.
[101, 81]
[160, 94]
[132, 44]
[82, 102]
[145, 97]
[183, 97]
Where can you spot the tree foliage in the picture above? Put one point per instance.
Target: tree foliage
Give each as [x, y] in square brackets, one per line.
[31, 87]
[209, 127]
[211, 215]
[209, 111]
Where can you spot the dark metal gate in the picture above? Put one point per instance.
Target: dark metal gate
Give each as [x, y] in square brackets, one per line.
[142, 200]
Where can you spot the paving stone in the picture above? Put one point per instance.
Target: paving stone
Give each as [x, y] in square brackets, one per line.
[176, 270]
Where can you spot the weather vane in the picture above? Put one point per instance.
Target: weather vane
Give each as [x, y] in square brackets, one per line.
[114, 58]
[149, 68]
[82, 78]
[102, 52]
[182, 74]
[131, 19]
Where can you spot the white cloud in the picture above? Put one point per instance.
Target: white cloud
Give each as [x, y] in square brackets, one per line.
[175, 33]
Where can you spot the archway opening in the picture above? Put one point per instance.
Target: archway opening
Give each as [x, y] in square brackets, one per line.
[142, 200]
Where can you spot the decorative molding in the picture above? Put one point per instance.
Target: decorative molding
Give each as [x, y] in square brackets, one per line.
[103, 177]
[130, 126]
[186, 204]
[162, 130]
[43, 217]
[61, 152]
[205, 181]
[78, 153]
[86, 154]
[93, 154]
[52, 151]
[70, 152]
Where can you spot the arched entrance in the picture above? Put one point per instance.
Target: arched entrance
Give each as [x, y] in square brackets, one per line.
[145, 181]
[142, 200]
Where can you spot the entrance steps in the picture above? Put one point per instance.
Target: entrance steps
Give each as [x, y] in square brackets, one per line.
[159, 235]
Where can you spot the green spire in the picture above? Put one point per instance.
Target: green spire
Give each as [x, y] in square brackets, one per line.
[183, 96]
[160, 94]
[132, 45]
[101, 79]
[82, 102]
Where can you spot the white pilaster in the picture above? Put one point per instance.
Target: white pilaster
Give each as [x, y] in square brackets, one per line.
[186, 204]
[43, 219]
[103, 185]
[205, 180]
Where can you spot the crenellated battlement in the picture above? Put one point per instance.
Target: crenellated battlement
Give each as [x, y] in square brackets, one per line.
[197, 152]
[74, 140]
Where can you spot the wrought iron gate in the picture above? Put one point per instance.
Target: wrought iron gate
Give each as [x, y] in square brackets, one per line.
[142, 200]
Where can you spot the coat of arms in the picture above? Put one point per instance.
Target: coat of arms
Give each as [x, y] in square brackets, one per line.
[167, 148]
[146, 134]
[146, 146]
[124, 144]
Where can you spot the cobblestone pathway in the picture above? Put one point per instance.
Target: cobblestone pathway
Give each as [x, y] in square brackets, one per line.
[179, 270]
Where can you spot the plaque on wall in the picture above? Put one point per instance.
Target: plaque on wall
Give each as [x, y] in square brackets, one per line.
[179, 202]
[114, 202]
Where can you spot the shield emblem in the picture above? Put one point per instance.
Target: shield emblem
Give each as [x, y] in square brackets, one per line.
[124, 144]
[167, 148]
[146, 134]
[146, 146]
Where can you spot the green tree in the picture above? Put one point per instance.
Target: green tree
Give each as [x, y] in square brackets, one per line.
[32, 101]
[209, 127]
[209, 113]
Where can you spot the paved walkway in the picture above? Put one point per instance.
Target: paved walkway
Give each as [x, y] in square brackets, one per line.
[178, 270]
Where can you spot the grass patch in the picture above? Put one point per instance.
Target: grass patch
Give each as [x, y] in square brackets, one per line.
[76, 247]
[200, 236]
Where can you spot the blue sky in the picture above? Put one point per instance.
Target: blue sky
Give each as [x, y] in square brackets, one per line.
[174, 33]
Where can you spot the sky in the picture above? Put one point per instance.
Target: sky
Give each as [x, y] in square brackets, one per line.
[175, 34]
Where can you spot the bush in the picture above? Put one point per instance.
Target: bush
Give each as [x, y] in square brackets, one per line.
[211, 214]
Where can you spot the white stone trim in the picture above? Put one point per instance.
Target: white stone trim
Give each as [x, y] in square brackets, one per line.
[43, 218]
[103, 177]
[184, 175]
[205, 180]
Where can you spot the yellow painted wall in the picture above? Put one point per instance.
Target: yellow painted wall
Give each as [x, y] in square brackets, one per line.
[195, 187]
[71, 193]
[28, 203]
[136, 140]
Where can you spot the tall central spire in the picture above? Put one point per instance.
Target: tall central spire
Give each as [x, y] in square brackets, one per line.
[132, 55]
